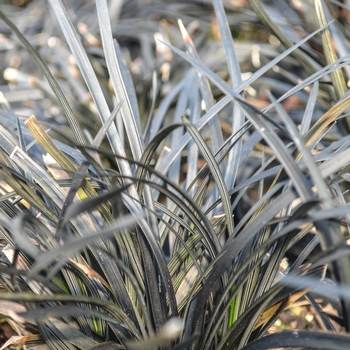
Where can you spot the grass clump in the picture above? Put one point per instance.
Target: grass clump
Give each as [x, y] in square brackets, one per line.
[180, 186]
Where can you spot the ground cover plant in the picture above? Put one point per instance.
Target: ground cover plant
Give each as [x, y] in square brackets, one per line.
[174, 175]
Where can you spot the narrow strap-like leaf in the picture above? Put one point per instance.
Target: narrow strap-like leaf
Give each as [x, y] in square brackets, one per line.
[214, 168]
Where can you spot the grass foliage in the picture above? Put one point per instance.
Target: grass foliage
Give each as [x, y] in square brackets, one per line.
[173, 175]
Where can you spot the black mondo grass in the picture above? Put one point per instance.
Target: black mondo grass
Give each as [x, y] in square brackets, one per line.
[174, 175]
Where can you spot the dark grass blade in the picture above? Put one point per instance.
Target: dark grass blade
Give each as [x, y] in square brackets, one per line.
[77, 244]
[270, 194]
[63, 311]
[305, 253]
[51, 188]
[129, 86]
[305, 124]
[109, 274]
[325, 319]
[61, 331]
[81, 57]
[309, 339]
[22, 241]
[255, 259]
[169, 332]
[263, 308]
[334, 318]
[76, 183]
[129, 112]
[232, 249]
[107, 346]
[311, 165]
[189, 213]
[218, 315]
[192, 148]
[215, 171]
[337, 76]
[110, 307]
[102, 107]
[204, 87]
[236, 80]
[330, 234]
[154, 288]
[102, 132]
[180, 110]
[24, 190]
[165, 163]
[76, 209]
[185, 344]
[255, 76]
[224, 87]
[320, 75]
[151, 149]
[298, 54]
[280, 150]
[131, 121]
[157, 120]
[179, 198]
[147, 128]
